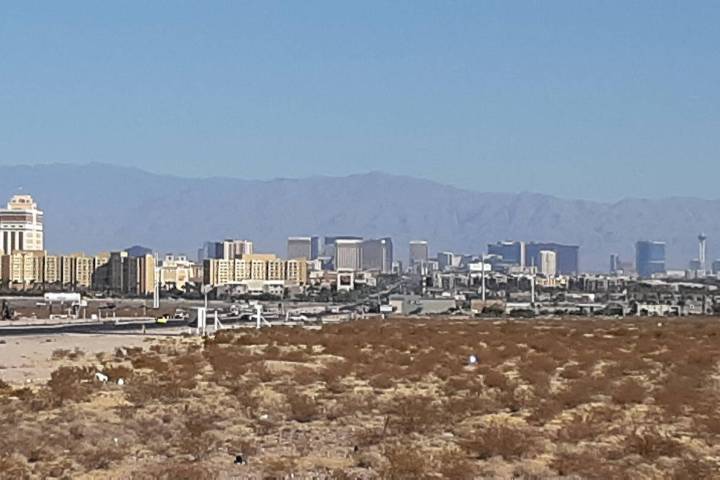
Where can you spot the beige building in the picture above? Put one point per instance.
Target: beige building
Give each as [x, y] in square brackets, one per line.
[21, 226]
[52, 270]
[296, 271]
[255, 267]
[139, 275]
[114, 272]
[175, 272]
[123, 274]
[22, 268]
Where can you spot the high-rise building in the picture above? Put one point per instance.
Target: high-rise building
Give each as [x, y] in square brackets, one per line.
[716, 267]
[328, 249]
[649, 258]
[303, 247]
[567, 256]
[548, 263]
[233, 249]
[377, 255]
[21, 226]
[418, 252]
[348, 254]
[210, 250]
[511, 252]
[139, 275]
[702, 252]
[614, 263]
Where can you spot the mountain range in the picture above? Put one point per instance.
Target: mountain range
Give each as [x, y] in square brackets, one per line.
[98, 207]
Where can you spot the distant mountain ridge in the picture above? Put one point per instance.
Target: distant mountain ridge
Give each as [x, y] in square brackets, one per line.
[99, 207]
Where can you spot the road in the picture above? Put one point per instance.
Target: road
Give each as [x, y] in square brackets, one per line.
[129, 327]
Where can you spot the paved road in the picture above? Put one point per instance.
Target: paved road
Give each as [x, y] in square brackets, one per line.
[132, 327]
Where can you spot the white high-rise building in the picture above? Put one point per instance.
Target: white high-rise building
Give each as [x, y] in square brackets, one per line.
[21, 226]
[236, 249]
[548, 263]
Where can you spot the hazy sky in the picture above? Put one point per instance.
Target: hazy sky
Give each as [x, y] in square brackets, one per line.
[597, 100]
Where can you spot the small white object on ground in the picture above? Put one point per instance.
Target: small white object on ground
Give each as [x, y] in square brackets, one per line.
[472, 360]
[101, 377]
[121, 382]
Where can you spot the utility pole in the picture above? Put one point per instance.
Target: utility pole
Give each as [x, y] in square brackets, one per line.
[482, 276]
[156, 289]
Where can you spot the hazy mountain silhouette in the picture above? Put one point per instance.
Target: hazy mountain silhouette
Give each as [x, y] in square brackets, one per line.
[100, 207]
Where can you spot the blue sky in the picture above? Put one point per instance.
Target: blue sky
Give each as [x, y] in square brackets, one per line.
[597, 100]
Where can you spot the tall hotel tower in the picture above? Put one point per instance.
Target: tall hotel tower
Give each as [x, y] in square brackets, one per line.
[21, 226]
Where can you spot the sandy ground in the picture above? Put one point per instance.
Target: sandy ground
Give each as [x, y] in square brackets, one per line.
[27, 359]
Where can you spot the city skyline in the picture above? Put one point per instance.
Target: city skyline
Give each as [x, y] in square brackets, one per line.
[83, 213]
[22, 220]
[582, 101]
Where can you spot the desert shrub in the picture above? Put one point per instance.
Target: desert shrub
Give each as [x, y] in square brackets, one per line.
[99, 456]
[692, 467]
[415, 414]
[149, 361]
[15, 467]
[586, 464]
[196, 437]
[709, 424]
[350, 404]
[405, 463]
[262, 373]
[572, 372]
[678, 393]
[169, 389]
[499, 439]
[582, 391]
[62, 354]
[628, 392]
[298, 356]
[366, 437]
[4, 387]
[302, 375]
[174, 470]
[302, 408]
[651, 443]
[69, 384]
[457, 383]
[115, 372]
[467, 405]
[495, 379]
[382, 381]
[335, 370]
[581, 427]
[453, 463]
[279, 468]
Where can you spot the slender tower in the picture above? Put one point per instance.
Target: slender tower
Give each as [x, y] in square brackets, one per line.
[702, 241]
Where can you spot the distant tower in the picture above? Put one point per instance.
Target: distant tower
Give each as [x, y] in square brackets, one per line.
[702, 240]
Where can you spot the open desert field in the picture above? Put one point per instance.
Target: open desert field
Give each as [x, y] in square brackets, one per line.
[395, 399]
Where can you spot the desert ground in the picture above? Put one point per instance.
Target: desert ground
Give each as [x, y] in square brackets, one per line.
[371, 399]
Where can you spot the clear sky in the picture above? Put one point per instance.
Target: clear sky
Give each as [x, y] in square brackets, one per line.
[588, 99]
